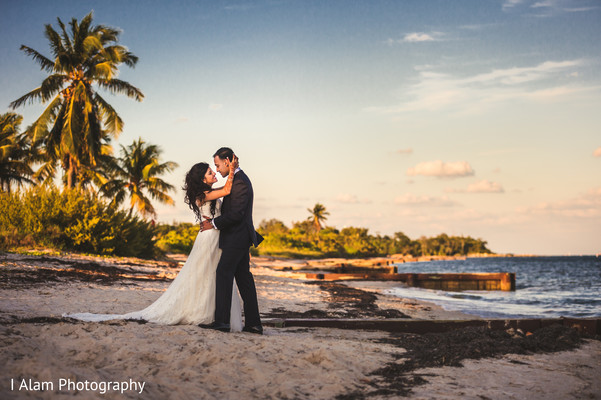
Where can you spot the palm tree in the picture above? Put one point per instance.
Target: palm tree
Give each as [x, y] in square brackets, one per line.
[77, 125]
[14, 152]
[318, 214]
[135, 174]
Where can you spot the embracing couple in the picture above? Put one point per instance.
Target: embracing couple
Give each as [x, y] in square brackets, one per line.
[204, 292]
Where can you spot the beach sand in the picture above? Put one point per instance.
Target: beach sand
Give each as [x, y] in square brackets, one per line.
[187, 362]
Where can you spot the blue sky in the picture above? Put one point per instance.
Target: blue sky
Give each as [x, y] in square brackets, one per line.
[475, 118]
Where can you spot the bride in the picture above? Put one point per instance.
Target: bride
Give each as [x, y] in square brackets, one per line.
[190, 299]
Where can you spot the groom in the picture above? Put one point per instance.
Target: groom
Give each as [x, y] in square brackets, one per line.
[237, 233]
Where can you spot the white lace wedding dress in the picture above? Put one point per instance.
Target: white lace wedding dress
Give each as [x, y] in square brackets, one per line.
[190, 299]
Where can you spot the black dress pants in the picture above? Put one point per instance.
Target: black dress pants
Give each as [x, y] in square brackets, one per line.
[235, 263]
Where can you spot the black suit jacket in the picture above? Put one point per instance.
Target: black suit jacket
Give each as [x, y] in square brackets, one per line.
[236, 220]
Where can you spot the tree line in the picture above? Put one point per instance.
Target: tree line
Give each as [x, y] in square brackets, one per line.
[310, 239]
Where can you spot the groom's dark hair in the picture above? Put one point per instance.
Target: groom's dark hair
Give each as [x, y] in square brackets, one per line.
[225, 153]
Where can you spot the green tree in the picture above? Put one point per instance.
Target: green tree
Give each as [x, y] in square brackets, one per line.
[14, 152]
[402, 243]
[272, 226]
[136, 174]
[318, 215]
[177, 238]
[77, 125]
[357, 242]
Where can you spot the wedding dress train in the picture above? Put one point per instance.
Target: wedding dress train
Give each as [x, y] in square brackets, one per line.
[190, 299]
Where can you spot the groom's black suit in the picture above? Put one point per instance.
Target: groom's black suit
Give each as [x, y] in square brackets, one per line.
[237, 233]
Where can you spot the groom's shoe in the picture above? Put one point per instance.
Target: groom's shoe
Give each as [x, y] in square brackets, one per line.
[217, 326]
[253, 329]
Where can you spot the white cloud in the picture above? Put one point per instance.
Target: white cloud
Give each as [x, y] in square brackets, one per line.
[515, 75]
[477, 27]
[435, 91]
[483, 186]
[540, 4]
[413, 200]
[417, 37]
[580, 9]
[404, 151]
[215, 107]
[597, 152]
[351, 199]
[441, 169]
[549, 8]
[587, 205]
[511, 3]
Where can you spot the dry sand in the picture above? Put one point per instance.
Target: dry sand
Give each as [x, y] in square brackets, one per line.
[187, 362]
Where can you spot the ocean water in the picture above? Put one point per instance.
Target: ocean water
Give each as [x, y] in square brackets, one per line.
[546, 287]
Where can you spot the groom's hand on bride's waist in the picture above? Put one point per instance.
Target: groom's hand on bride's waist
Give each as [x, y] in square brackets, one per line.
[206, 224]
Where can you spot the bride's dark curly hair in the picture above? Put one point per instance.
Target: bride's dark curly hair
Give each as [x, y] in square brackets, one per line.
[195, 189]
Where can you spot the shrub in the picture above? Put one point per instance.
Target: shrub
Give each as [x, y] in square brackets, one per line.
[72, 220]
[178, 238]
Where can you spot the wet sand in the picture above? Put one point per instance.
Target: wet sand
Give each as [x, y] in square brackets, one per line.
[183, 361]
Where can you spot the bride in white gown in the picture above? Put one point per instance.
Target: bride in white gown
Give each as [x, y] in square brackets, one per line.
[190, 299]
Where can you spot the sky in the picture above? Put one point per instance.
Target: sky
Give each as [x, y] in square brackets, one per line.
[468, 117]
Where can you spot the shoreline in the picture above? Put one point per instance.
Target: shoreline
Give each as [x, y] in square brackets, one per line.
[294, 362]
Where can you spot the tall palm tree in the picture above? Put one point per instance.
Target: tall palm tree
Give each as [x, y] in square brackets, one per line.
[135, 174]
[318, 214]
[77, 125]
[14, 152]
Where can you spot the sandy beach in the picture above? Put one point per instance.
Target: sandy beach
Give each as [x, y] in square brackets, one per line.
[41, 350]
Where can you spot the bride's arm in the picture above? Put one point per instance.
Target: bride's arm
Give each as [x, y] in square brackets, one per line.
[227, 189]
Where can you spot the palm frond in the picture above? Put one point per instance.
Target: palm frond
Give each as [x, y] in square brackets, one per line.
[146, 170]
[53, 138]
[54, 39]
[65, 36]
[10, 122]
[103, 70]
[106, 33]
[112, 121]
[142, 203]
[46, 172]
[44, 62]
[68, 137]
[168, 166]
[39, 128]
[161, 197]
[51, 85]
[80, 32]
[7, 147]
[90, 43]
[116, 86]
[129, 59]
[31, 96]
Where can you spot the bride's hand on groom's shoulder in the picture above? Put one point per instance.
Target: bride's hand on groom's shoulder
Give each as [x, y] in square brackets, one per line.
[235, 163]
